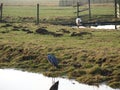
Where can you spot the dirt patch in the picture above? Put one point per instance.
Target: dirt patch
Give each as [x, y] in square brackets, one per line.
[46, 32]
[21, 28]
[57, 34]
[42, 31]
[6, 25]
[27, 30]
[80, 33]
[63, 31]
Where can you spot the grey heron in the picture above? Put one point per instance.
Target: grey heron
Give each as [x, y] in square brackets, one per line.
[53, 60]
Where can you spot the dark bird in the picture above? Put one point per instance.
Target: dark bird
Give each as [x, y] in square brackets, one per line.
[55, 86]
[53, 60]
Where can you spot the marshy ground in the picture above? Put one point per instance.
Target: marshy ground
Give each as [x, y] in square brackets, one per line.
[86, 55]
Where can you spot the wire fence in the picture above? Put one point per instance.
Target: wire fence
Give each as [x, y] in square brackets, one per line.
[59, 11]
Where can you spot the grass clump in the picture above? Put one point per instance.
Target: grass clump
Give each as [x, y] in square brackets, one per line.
[114, 85]
[77, 73]
[95, 70]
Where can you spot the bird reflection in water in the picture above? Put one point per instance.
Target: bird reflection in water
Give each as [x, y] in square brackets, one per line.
[54, 86]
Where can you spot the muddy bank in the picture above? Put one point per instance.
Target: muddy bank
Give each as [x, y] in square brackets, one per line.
[83, 65]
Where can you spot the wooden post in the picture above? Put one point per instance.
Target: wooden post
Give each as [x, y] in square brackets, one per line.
[1, 11]
[37, 14]
[89, 10]
[77, 9]
[118, 9]
[118, 12]
[115, 9]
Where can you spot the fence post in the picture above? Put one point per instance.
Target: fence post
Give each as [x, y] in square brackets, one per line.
[118, 14]
[115, 8]
[118, 9]
[77, 9]
[37, 14]
[1, 11]
[89, 10]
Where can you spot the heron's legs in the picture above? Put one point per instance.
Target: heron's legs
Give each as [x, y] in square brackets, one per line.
[53, 80]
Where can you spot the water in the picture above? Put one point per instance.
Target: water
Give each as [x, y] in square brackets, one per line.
[101, 27]
[105, 27]
[11, 79]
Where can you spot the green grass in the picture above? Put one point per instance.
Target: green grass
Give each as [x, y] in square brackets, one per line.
[57, 14]
[92, 57]
[45, 11]
[102, 10]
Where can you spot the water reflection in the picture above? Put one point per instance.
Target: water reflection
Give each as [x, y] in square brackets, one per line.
[18, 80]
[55, 86]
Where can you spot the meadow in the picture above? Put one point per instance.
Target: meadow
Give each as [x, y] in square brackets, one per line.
[87, 55]
[50, 14]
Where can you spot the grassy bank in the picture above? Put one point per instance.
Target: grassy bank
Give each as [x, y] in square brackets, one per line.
[86, 55]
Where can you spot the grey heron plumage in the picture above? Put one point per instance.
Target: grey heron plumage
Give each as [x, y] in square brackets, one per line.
[53, 60]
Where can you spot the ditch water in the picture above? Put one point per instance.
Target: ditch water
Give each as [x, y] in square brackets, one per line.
[11, 79]
[100, 27]
[106, 27]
